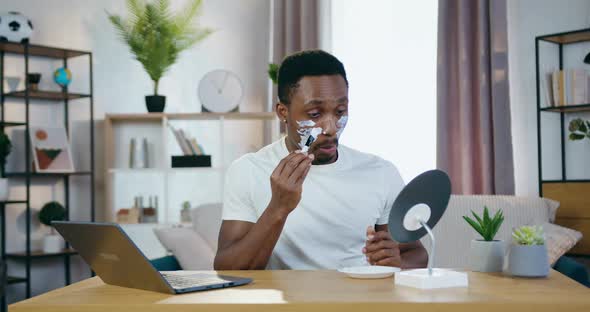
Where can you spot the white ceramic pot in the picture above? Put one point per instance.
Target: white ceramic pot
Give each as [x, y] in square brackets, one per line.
[528, 261]
[53, 243]
[487, 256]
[3, 189]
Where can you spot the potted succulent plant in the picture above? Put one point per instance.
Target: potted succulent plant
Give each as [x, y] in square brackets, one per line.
[52, 211]
[156, 37]
[5, 148]
[528, 253]
[487, 254]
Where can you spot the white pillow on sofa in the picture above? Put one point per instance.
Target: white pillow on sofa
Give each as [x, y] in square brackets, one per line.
[206, 221]
[559, 240]
[454, 235]
[191, 251]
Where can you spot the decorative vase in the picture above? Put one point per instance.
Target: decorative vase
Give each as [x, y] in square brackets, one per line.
[34, 79]
[3, 189]
[528, 260]
[155, 103]
[13, 83]
[53, 243]
[487, 256]
[138, 154]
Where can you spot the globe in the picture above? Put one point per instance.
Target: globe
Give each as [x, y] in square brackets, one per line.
[62, 76]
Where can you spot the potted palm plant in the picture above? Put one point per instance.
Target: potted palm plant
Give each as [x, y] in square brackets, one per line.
[528, 253]
[5, 148]
[156, 37]
[487, 254]
[52, 211]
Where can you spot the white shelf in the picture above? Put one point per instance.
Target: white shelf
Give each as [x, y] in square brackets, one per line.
[225, 136]
[163, 170]
[157, 117]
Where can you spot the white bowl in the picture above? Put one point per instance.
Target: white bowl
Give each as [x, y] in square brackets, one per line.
[374, 271]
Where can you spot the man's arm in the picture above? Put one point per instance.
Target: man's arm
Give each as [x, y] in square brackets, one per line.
[248, 246]
[382, 250]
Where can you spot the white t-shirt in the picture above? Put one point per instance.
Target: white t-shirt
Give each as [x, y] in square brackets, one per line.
[327, 230]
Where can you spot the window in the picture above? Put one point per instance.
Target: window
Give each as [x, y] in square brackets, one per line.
[389, 51]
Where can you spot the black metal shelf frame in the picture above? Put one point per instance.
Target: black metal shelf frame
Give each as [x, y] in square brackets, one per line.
[561, 40]
[27, 51]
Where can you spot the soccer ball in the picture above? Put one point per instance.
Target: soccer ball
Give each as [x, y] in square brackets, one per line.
[15, 27]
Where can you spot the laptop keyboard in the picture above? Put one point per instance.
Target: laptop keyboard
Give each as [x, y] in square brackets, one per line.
[193, 280]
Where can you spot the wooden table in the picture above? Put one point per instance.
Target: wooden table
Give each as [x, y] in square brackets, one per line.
[325, 291]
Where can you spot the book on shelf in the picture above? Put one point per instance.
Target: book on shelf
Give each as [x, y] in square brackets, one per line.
[179, 139]
[578, 86]
[187, 144]
[547, 88]
[566, 87]
[198, 148]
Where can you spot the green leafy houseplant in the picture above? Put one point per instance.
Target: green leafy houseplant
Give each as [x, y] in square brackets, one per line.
[52, 211]
[579, 129]
[528, 235]
[5, 148]
[486, 227]
[156, 36]
[273, 72]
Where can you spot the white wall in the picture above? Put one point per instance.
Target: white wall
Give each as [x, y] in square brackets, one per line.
[389, 51]
[240, 44]
[527, 19]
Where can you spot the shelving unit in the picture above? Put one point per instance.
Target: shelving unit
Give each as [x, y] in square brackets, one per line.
[574, 211]
[27, 96]
[119, 128]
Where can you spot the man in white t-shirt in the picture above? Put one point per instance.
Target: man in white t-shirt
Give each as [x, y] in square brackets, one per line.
[306, 202]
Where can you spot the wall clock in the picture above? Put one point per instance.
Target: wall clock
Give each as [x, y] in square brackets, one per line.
[220, 91]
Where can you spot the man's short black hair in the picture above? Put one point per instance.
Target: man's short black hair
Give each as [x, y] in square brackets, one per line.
[306, 63]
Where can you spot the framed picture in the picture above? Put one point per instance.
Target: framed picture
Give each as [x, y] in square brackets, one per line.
[51, 149]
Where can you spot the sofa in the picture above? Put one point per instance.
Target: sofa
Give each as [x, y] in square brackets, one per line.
[193, 247]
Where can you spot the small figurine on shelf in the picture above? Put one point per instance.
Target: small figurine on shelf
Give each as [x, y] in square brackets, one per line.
[185, 213]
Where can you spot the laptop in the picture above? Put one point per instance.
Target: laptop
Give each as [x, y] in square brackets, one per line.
[110, 253]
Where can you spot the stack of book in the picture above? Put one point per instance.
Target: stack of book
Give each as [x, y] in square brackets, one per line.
[567, 87]
[188, 145]
[193, 153]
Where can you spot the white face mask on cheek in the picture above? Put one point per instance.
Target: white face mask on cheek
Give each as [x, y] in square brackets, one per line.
[308, 133]
[340, 125]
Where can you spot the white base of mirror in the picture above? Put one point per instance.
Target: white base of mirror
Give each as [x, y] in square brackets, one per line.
[440, 278]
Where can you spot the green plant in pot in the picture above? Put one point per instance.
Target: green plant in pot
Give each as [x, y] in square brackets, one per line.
[52, 211]
[273, 72]
[156, 37]
[5, 149]
[579, 129]
[486, 254]
[528, 253]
